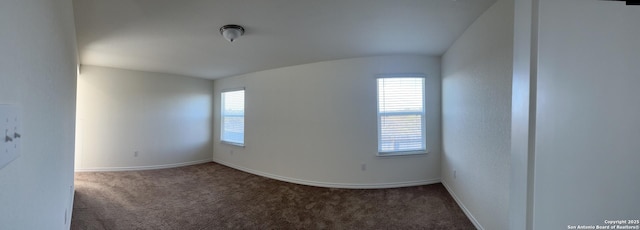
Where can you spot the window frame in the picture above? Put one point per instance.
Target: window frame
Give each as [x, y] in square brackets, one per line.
[222, 116]
[379, 115]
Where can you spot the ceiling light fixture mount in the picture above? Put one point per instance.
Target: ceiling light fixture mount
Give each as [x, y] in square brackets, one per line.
[231, 32]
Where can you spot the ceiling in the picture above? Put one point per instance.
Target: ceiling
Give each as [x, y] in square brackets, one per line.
[182, 37]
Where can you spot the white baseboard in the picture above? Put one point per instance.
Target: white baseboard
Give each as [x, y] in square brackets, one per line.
[464, 208]
[138, 168]
[329, 184]
[69, 210]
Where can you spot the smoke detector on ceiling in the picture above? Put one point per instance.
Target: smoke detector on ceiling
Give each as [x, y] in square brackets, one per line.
[231, 32]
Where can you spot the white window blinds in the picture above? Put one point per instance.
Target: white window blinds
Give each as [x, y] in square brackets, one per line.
[232, 121]
[401, 115]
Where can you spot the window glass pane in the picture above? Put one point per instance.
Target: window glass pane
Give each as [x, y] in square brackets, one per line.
[401, 115]
[400, 94]
[401, 133]
[233, 117]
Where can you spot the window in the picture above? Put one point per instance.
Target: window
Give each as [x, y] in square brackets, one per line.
[401, 115]
[233, 117]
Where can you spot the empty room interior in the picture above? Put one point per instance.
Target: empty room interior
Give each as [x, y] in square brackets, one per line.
[355, 114]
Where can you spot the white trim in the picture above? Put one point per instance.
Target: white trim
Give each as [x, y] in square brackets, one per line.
[233, 89]
[403, 153]
[330, 184]
[464, 208]
[401, 75]
[72, 194]
[138, 168]
[523, 114]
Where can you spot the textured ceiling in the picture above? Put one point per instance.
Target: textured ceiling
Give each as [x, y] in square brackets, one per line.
[182, 37]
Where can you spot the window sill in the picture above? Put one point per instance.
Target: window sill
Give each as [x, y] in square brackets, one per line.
[408, 153]
[232, 143]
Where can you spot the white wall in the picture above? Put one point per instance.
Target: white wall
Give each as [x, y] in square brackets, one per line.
[476, 105]
[316, 124]
[38, 73]
[587, 150]
[165, 118]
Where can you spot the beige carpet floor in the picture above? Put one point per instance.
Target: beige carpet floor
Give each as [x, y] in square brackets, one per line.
[213, 196]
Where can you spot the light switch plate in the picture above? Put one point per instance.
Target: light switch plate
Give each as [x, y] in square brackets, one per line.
[10, 134]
